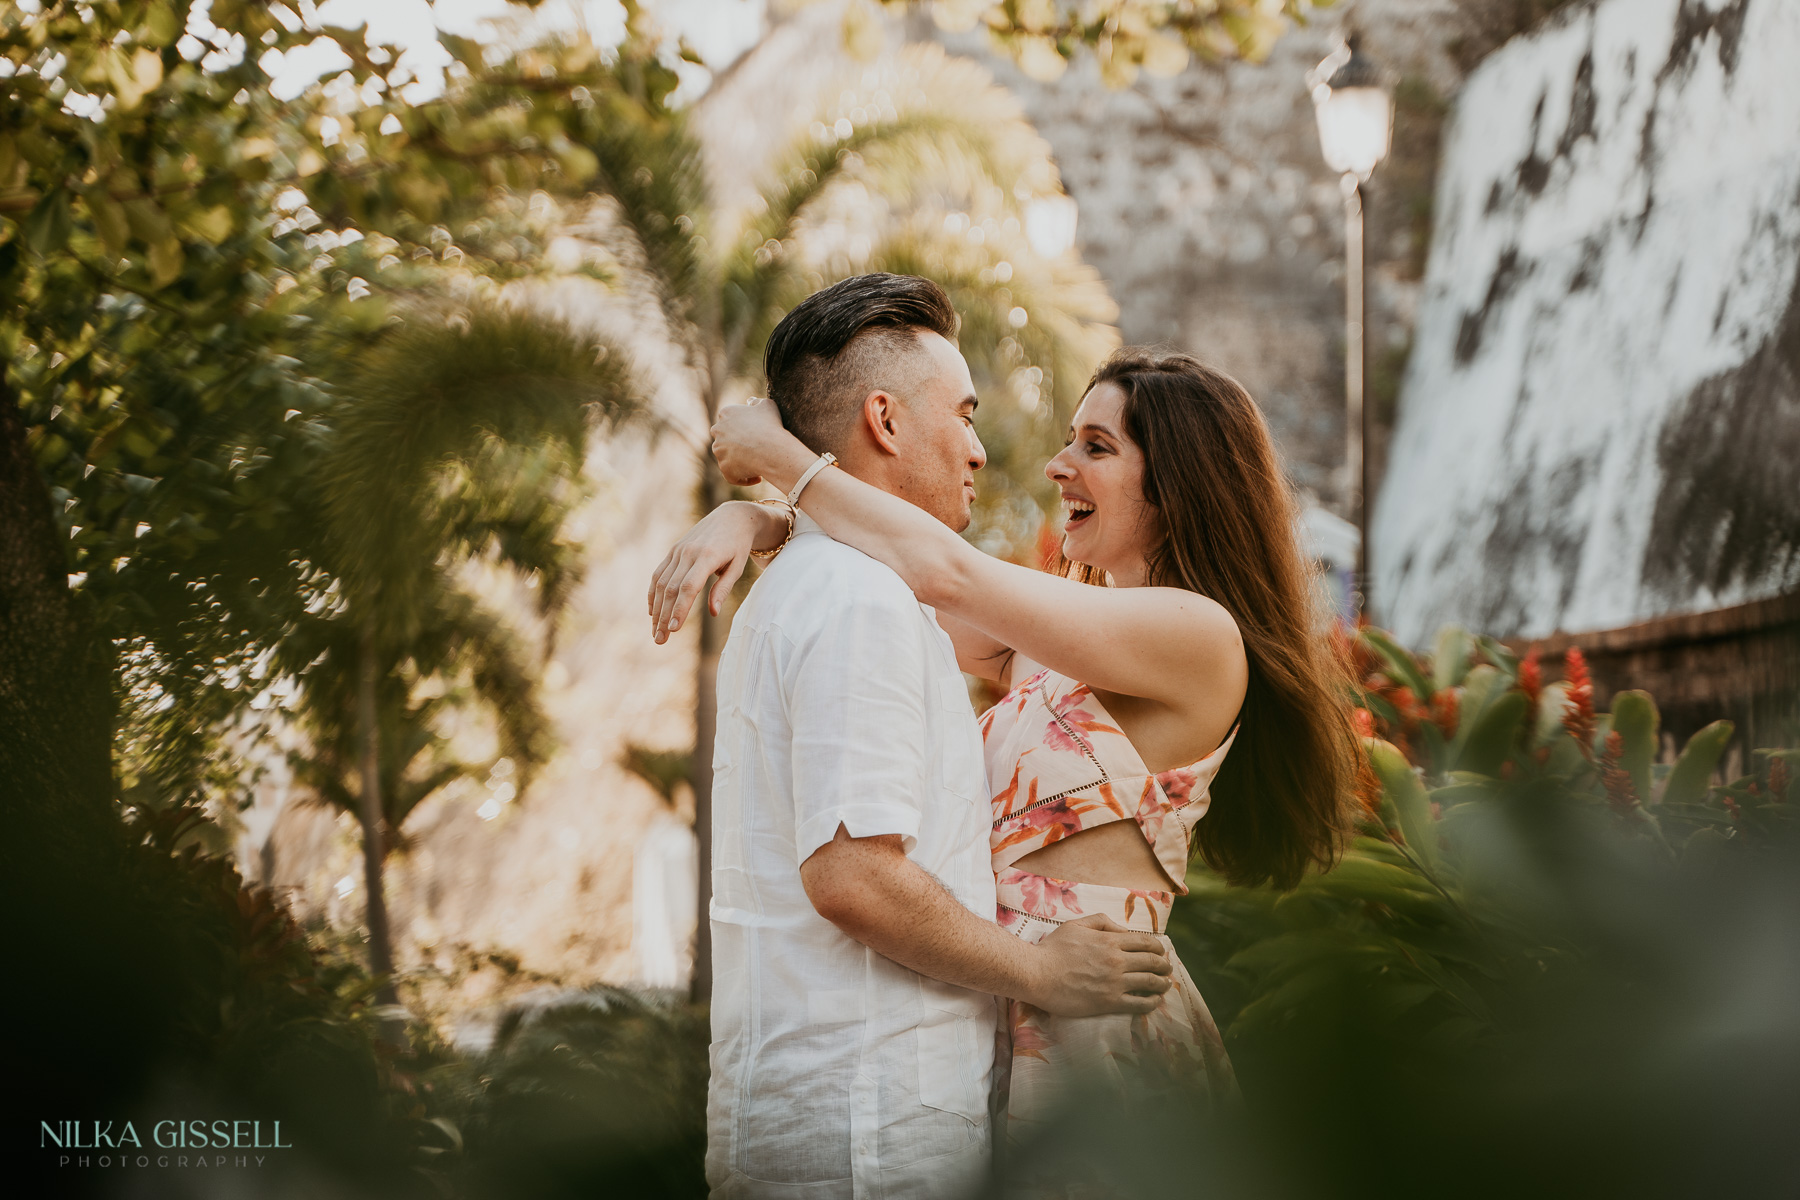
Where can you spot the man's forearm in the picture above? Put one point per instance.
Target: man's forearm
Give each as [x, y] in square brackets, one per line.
[898, 910]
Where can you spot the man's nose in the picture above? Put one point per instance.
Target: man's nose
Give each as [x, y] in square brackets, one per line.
[977, 452]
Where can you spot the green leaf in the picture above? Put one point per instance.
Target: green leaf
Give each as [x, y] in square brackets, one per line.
[1566, 757]
[165, 261]
[1451, 655]
[1553, 704]
[147, 220]
[1401, 664]
[1479, 690]
[49, 224]
[1500, 656]
[1491, 740]
[1635, 720]
[162, 24]
[1401, 784]
[211, 225]
[1692, 774]
[109, 222]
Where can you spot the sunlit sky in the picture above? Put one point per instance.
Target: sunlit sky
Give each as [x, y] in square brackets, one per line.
[719, 30]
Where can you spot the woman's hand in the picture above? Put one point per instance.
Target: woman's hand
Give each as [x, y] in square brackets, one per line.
[719, 545]
[750, 443]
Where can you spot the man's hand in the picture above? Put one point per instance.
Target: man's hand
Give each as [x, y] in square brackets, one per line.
[868, 888]
[1095, 965]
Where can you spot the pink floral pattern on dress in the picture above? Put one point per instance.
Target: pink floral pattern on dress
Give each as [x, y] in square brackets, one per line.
[1178, 785]
[1070, 768]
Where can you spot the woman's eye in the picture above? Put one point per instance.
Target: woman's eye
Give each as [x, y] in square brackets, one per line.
[1095, 448]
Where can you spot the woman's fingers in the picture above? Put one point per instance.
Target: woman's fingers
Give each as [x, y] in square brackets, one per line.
[656, 578]
[668, 593]
[727, 578]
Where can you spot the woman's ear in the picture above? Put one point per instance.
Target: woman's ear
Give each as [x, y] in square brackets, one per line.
[881, 418]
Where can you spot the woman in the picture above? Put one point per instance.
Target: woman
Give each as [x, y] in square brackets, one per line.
[1192, 682]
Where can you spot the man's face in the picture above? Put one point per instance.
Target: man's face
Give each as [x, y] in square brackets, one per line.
[936, 428]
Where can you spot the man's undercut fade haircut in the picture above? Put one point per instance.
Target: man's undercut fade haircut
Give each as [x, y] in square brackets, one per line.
[840, 344]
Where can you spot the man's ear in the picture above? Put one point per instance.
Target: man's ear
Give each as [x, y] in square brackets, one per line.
[881, 419]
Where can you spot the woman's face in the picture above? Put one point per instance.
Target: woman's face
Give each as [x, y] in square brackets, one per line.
[1107, 523]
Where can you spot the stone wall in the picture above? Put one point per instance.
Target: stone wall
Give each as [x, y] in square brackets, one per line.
[1601, 417]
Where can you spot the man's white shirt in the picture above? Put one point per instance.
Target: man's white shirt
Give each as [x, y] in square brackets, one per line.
[836, 1072]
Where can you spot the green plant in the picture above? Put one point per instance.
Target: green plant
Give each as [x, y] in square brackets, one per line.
[1468, 751]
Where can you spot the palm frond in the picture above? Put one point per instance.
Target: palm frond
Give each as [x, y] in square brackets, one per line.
[926, 130]
[650, 167]
[434, 394]
[509, 505]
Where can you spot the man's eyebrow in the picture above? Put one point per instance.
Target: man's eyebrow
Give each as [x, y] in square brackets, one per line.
[969, 400]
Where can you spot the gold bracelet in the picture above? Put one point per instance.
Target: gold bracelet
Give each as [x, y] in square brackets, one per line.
[766, 555]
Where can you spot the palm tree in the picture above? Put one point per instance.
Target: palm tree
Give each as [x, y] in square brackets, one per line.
[957, 169]
[459, 439]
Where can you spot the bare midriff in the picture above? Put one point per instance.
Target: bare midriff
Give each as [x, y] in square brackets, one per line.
[1111, 855]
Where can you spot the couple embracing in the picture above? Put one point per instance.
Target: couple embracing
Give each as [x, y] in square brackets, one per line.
[932, 933]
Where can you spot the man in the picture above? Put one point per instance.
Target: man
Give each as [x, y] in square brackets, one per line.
[856, 958]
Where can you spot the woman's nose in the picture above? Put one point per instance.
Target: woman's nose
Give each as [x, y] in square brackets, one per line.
[1056, 469]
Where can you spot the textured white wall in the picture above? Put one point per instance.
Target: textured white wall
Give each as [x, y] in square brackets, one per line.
[1600, 422]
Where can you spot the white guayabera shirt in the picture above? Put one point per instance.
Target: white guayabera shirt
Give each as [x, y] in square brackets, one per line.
[837, 1072]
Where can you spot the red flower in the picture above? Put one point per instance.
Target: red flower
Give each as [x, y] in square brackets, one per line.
[1621, 792]
[1365, 722]
[1446, 707]
[1531, 682]
[1578, 717]
[1407, 705]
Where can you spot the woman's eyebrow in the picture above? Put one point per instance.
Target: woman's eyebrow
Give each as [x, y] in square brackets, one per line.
[1090, 427]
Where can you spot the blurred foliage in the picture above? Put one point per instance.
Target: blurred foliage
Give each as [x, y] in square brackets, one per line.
[596, 1093]
[190, 263]
[1125, 36]
[1535, 918]
[261, 361]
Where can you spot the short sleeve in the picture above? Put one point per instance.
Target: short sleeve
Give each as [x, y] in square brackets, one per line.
[858, 686]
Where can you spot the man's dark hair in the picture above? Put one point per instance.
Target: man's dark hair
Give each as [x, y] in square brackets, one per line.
[837, 345]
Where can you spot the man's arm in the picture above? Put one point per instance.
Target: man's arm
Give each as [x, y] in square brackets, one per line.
[868, 888]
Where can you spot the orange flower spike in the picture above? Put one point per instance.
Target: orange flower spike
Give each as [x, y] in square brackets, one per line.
[1620, 792]
[1778, 780]
[1531, 682]
[1578, 717]
[1446, 708]
[1407, 705]
[1531, 674]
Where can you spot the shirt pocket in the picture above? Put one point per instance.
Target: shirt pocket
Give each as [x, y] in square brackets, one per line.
[956, 1049]
[961, 768]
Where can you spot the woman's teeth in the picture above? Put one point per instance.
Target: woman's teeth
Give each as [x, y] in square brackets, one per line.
[1076, 510]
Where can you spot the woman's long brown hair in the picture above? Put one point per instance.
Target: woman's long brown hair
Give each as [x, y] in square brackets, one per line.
[1281, 802]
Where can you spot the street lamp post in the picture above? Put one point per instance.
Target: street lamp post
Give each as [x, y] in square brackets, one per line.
[1356, 122]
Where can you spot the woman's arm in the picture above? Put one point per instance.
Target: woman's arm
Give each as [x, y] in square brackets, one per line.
[1150, 642]
[719, 545]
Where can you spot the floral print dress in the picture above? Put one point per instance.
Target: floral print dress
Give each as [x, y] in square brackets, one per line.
[1062, 765]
